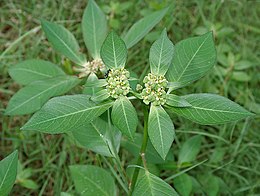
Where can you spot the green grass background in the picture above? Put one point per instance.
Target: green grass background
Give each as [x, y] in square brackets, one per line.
[232, 150]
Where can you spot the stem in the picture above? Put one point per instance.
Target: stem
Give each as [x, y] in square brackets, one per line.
[142, 150]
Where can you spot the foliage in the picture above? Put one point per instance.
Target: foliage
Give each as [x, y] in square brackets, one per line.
[101, 107]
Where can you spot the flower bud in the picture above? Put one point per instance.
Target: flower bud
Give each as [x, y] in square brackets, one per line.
[154, 91]
[118, 83]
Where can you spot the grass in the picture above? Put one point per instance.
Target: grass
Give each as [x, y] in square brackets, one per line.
[232, 150]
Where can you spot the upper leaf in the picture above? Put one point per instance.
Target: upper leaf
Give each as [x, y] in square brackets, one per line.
[211, 109]
[65, 113]
[30, 98]
[94, 27]
[190, 149]
[124, 116]
[160, 130]
[142, 27]
[93, 136]
[114, 51]
[92, 180]
[151, 185]
[192, 58]
[161, 53]
[8, 171]
[63, 41]
[32, 70]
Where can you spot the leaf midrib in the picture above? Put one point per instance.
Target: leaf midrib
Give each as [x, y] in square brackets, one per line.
[160, 129]
[125, 117]
[28, 70]
[160, 56]
[216, 110]
[114, 53]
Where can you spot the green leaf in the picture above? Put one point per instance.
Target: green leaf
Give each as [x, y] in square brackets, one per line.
[161, 53]
[94, 136]
[211, 185]
[63, 41]
[160, 130]
[32, 70]
[94, 28]
[29, 184]
[151, 185]
[91, 89]
[211, 109]
[100, 96]
[124, 116]
[114, 51]
[192, 58]
[190, 149]
[176, 101]
[8, 171]
[183, 184]
[142, 27]
[241, 76]
[65, 113]
[92, 180]
[96, 83]
[30, 98]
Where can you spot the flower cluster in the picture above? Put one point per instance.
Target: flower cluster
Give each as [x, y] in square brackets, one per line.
[118, 83]
[90, 67]
[154, 91]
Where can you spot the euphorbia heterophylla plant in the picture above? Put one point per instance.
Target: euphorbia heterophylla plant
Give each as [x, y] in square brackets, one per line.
[97, 118]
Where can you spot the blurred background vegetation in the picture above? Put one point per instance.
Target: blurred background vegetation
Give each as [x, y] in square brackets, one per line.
[232, 151]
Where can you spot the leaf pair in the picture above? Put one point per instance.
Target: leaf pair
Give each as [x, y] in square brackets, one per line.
[114, 55]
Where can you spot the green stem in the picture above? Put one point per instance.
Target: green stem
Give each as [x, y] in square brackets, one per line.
[142, 151]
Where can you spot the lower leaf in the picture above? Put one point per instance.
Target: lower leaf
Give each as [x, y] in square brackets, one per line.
[151, 185]
[92, 180]
[65, 113]
[124, 116]
[160, 130]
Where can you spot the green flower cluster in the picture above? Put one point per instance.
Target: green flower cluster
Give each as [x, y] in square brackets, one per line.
[155, 89]
[118, 83]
